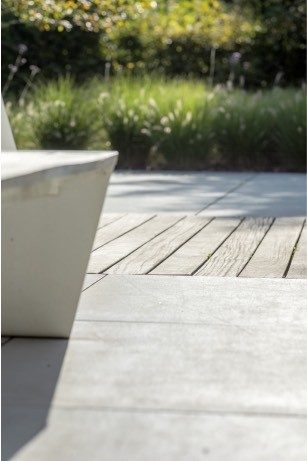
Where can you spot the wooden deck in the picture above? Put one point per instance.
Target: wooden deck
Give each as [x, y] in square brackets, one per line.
[169, 244]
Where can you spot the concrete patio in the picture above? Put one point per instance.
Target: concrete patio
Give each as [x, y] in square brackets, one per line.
[208, 194]
[173, 367]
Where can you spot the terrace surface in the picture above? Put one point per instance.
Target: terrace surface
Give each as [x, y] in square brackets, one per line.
[164, 366]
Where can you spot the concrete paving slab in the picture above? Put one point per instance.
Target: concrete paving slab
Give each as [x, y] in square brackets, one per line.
[125, 436]
[185, 367]
[169, 366]
[213, 193]
[266, 194]
[209, 300]
[169, 192]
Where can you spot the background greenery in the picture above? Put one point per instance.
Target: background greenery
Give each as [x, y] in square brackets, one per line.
[185, 37]
[157, 123]
[185, 84]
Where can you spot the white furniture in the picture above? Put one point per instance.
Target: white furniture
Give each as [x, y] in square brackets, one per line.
[51, 203]
[7, 140]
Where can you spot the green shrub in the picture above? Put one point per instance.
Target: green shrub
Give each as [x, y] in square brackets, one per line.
[290, 130]
[182, 134]
[194, 38]
[63, 116]
[158, 122]
[241, 130]
[178, 124]
[21, 119]
[124, 113]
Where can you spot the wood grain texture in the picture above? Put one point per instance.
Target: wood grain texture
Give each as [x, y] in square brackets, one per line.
[148, 256]
[196, 251]
[273, 255]
[108, 255]
[298, 268]
[119, 227]
[108, 218]
[232, 256]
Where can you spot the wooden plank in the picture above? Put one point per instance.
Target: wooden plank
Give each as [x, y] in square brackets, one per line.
[298, 268]
[189, 257]
[120, 227]
[232, 256]
[273, 255]
[148, 256]
[90, 279]
[108, 255]
[108, 218]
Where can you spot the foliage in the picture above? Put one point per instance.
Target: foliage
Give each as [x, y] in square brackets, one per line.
[241, 127]
[124, 113]
[155, 123]
[290, 131]
[188, 38]
[62, 36]
[278, 49]
[90, 15]
[180, 42]
[21, 122]
[62, 116]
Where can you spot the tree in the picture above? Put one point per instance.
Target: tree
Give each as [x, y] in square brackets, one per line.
[92, 16]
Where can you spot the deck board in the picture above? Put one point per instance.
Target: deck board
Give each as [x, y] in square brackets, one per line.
[196, 245]
[189, 257]
[107, 218]
[158, 249]
[108, 255]
[273, 255]
[232, 256]
[298, 268]
[119, 227]
[90, 279]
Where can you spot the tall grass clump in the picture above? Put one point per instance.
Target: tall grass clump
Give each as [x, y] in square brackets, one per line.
[158, 122]
[182, 133]
[63, 115]
[21, 118]
[124, 114]
[290, 129]
[241, 124]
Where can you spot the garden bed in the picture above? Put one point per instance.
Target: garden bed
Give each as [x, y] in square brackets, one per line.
[167, 124]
